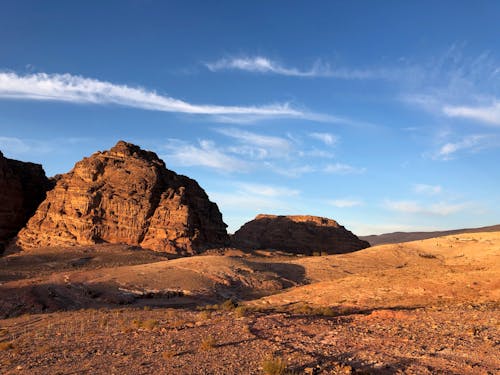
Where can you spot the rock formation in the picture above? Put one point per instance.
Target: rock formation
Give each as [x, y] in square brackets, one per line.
[297, 234]
[126, 195]
[22, 189]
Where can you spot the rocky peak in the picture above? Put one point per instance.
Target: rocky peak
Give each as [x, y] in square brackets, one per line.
[302, 234]
[22, 189]
[126, 195]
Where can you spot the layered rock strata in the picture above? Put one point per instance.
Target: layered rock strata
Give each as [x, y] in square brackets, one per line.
[126, 195]
[22, 189]
[297, 234]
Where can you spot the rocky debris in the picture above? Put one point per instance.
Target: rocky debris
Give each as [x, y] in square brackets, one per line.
[297, 234]
[126, 195]
[23, 187]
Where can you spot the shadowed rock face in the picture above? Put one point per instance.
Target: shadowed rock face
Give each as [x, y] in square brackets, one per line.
[22, 189]
[297, 234]
[126, 195]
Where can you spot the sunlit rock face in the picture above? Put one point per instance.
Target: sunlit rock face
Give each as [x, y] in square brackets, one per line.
[297, 234]
[22, 189]
[126, 195]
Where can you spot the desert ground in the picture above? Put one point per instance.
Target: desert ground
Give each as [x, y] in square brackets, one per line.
[423, 307]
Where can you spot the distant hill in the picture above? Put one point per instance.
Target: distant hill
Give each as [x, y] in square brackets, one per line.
[397, 237]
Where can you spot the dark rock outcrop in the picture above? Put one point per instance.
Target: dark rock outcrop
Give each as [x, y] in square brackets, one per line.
[297, 234]
[22, 189]
[126, 195]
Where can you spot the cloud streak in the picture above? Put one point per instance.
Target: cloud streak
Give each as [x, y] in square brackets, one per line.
[76, 89]
[486, 114]
[265, 65]
[435, 209]
[205, 154]
[471, 143]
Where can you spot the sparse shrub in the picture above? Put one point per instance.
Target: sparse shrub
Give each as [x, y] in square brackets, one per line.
[240, 311]
[208, 343]
[150, 324]
[147, 324]
[305, 309]
[274, 366]
[427, 255]
[205, 315]
[342, 369]
[6, 345]
[228, 305]
[167, 354]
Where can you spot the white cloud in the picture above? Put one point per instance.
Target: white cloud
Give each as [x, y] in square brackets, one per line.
[427, 189]
[267, 190]
[257, 146]
[487, 114]
[14, 146]
[467, 143]
[206, 155]
[345, 203]
[340, 168]
[435, 209]
[77, 89]
[327, 138]
[265, 65]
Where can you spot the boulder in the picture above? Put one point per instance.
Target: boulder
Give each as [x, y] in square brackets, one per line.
[22, 189]
[297, 234]
[126, 195]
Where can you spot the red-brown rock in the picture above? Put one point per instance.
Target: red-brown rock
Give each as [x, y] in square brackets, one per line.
[126, 195]
[22, 189]
[297, 234]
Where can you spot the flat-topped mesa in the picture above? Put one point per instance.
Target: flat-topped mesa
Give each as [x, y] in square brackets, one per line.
[126, 195]
[301, 234]
[22, 189]
[321, 221]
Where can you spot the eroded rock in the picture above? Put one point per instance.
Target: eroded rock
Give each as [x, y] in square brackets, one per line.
[22, 189]
[297, 234]
[126, 195]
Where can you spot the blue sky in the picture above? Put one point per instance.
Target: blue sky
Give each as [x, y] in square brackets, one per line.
[381, 115]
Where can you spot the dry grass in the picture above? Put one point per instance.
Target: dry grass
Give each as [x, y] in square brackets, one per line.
[274, 366]
[208, 343]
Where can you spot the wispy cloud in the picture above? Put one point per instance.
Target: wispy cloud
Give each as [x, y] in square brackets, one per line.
[327, 138]
[204, 154]
[77, 89]
[486, 114]
[340, 168]
[267, 190]
[265, 65]
[470, 143]
[256, 145]
[345, 203]
[435, 209]
[427, 189]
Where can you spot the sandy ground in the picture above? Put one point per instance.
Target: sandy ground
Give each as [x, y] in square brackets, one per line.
[424, 307]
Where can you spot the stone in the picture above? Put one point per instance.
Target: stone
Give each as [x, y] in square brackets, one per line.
[22, 188]
[297, 234]
[126, 195]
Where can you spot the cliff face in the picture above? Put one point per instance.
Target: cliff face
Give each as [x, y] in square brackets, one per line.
[126, 195]
[22, 189]
[297, 234]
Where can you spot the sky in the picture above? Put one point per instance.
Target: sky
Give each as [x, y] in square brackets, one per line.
[384, 116]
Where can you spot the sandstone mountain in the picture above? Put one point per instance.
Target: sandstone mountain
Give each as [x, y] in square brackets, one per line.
[297, 234]
[22, 189]
[126, 195]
